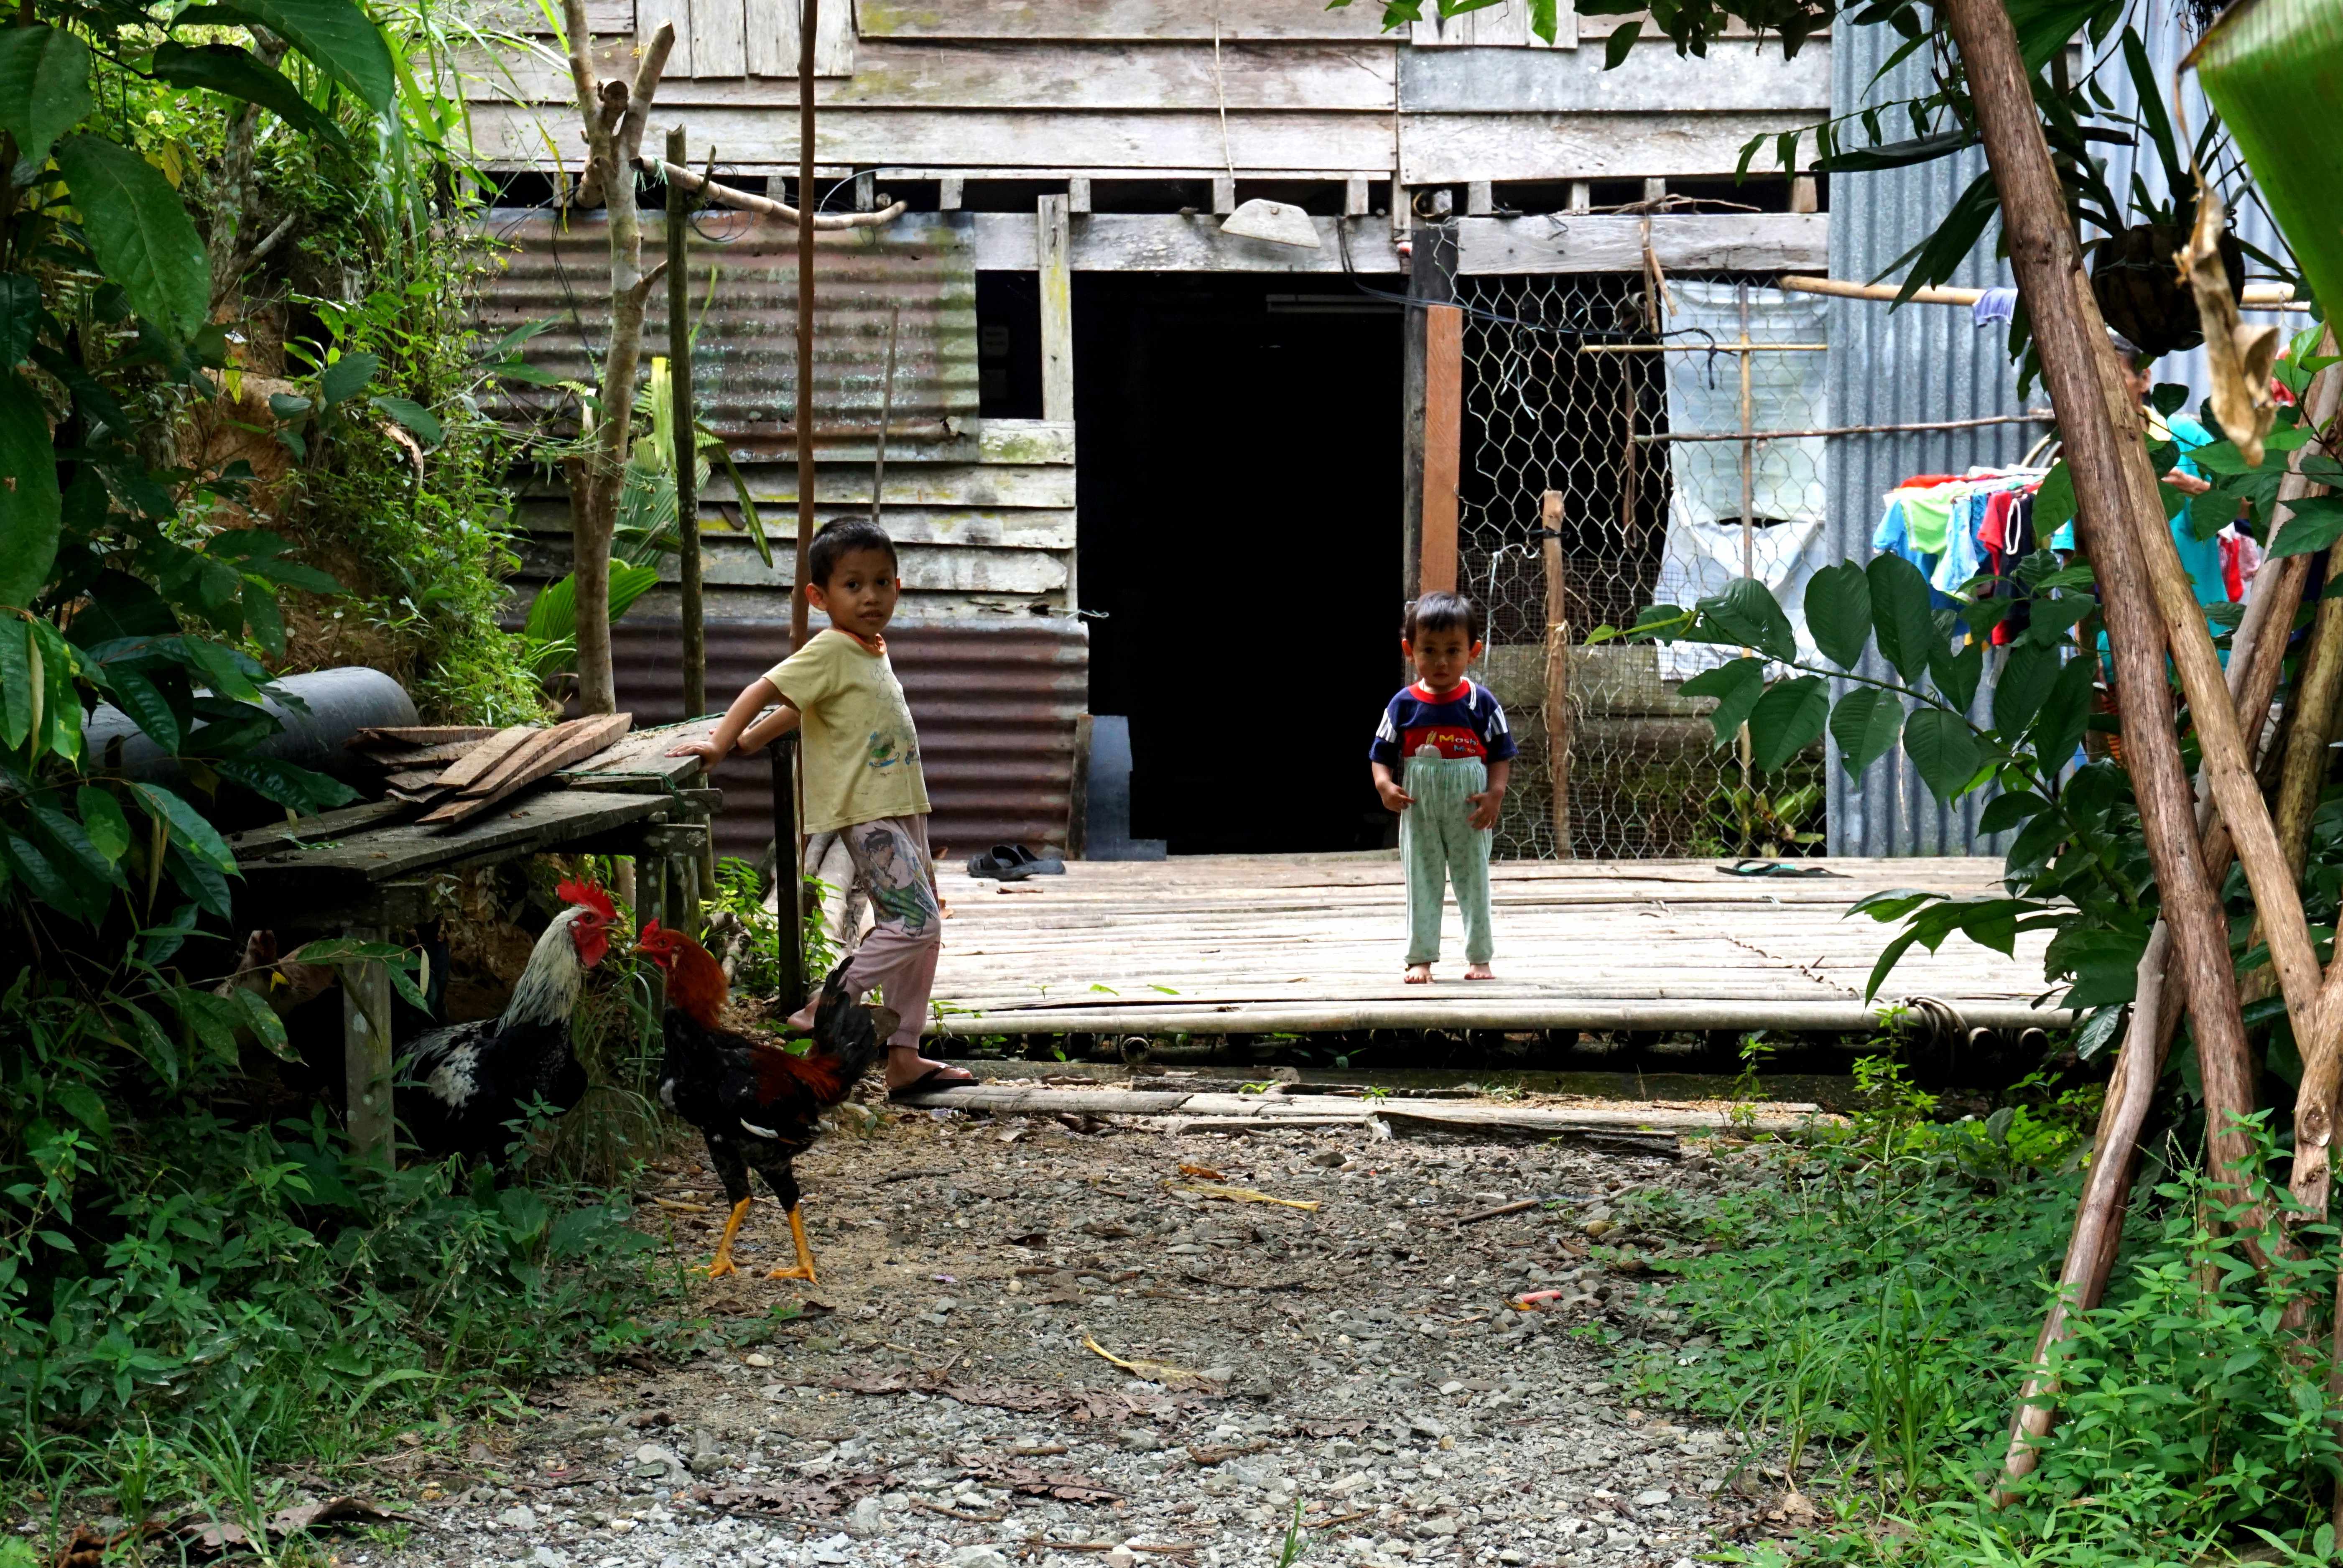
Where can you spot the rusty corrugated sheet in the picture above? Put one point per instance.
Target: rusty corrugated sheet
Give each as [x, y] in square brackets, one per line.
[995, 704]
[745, 362]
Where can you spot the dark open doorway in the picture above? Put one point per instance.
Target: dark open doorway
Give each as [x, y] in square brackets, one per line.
[1239, 481]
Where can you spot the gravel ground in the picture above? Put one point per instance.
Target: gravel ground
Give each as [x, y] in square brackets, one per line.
[940, 1401]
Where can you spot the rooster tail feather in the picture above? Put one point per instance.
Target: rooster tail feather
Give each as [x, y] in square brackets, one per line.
[848, 1035]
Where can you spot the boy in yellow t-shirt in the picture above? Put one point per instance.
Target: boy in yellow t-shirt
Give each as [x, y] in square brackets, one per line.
[863, 777]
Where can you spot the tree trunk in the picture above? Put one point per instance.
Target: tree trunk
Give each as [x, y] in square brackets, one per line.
[2112, 480]
[616, 117]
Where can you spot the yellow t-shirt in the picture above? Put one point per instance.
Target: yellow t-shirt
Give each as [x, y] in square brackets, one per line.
[861, 752]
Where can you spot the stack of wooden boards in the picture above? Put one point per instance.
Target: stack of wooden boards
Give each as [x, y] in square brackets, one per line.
[458, 771]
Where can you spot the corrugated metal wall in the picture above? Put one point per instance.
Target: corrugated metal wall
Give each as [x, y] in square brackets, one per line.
[996, 705]
[1922, 362]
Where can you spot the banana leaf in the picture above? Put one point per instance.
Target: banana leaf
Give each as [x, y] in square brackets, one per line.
[2274, 69]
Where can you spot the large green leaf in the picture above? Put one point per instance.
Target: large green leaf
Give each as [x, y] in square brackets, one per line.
[1865, 724]
[1899, 614]
[2065, 714]
[1747, 613]
[139, 230]
[1942, 748]
[338, 36]
[1956, 674]
[2025, 680]
[2309, 525]
[1737, 687]
[240, 74]
[1787, 719]
[1838, 612]
[20, 316]
[187, 827]
[31, 508]
[44, 87]
[347, 376]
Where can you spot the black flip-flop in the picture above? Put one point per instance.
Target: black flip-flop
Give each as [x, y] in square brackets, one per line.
[1035, 865]
[1003, 862]
[927, 1082]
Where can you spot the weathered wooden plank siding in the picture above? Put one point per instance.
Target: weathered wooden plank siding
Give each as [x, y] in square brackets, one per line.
[984, 527]
[1130, 21]
[1136, 87]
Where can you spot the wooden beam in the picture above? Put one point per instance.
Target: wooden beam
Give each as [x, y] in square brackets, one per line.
[1354, 198]
[1557, 669]
[1479, 198]
[1050, 247]
[366, 1054]
[1721, 242]
[1078, 194]
[1431, 281]
[1444, 416]
[951, 191]
[1167, 242]
[1224, 195]
[1804, 195]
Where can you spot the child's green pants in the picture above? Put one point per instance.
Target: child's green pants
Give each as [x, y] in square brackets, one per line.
[1439, 845]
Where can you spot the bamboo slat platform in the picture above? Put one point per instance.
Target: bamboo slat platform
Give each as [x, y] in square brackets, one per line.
[1263, 944]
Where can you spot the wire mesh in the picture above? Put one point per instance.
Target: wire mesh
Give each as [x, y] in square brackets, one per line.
[1576, 384]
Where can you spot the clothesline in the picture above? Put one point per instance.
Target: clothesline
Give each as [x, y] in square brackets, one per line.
[2035, 417]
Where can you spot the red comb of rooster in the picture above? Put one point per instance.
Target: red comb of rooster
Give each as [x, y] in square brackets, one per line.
[589, 896]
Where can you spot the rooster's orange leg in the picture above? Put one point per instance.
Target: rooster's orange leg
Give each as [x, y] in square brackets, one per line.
[723, 1264]
[804, 1271]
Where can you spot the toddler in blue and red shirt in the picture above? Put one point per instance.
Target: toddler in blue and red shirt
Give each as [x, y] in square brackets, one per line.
[1447, 738]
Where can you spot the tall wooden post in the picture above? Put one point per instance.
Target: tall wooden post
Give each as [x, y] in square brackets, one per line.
[809, 23]
[789, 872]
[1557, 671]
[1431, 281]
[687, 442]
[1052, 236]
[366, 1048]
[1443, 424]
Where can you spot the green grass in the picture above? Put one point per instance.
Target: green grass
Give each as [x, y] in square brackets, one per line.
[1870, 1304]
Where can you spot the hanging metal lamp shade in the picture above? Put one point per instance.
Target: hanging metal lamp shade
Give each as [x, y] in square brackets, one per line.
[2274, 69]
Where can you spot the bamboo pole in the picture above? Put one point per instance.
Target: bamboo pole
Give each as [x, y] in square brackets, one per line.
[809, 20]
[2040, 417]
[1557, 671]
[2258, 296]
[687, 442]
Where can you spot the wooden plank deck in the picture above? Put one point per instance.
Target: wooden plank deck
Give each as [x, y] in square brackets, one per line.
[1255, 944]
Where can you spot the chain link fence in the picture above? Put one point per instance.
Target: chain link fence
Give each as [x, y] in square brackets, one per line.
[1577, 386]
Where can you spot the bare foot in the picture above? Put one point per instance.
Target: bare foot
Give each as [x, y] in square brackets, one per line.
[1479, 971]
[1419, 974]
[906, 1067]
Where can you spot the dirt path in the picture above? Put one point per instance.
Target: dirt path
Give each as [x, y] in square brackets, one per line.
[946, 1409]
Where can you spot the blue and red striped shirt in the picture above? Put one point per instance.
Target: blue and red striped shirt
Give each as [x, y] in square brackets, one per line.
[1462, 722]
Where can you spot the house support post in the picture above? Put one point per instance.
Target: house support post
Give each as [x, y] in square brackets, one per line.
[1430, 282]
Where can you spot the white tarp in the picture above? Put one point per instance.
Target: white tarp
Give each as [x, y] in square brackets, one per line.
[1788, 391]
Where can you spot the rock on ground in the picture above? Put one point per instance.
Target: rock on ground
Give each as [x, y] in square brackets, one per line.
[944, 1399]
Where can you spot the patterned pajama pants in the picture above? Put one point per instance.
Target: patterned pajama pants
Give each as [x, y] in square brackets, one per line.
[1439, 845]
[898, 954]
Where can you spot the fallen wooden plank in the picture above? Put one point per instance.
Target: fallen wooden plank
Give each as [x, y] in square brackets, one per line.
[477, 761]
[553, 749]
[437, 758]
[1011, 1101]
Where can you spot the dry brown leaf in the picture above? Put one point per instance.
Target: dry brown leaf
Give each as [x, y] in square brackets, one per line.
[2239, 356]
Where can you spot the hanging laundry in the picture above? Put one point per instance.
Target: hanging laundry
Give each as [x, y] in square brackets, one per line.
[1993, 305]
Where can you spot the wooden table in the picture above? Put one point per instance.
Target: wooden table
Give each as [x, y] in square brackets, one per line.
[364, 872]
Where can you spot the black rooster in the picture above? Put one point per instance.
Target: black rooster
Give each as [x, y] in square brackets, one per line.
[758, 1105]
[461, 1085]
